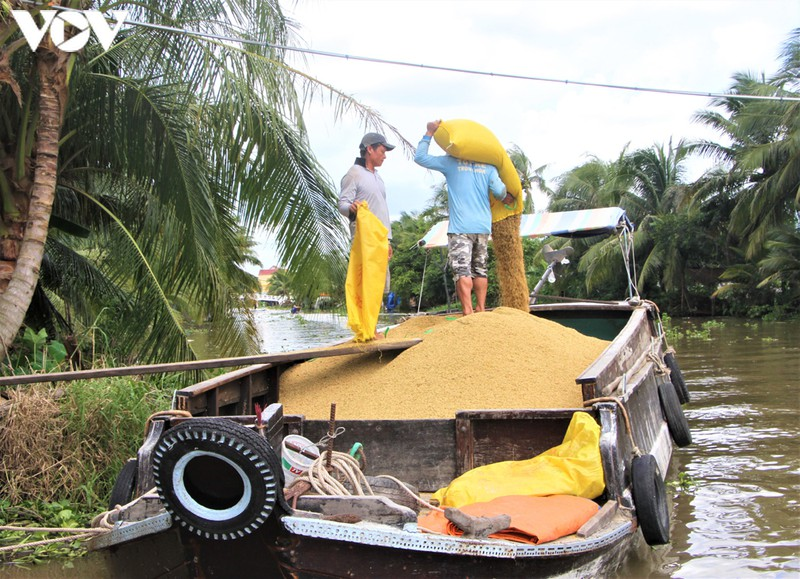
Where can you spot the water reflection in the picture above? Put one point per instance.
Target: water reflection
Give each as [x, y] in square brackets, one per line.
[741, 518]
[282, 331]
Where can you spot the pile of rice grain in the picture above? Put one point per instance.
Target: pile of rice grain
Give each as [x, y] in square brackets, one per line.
[505, 358]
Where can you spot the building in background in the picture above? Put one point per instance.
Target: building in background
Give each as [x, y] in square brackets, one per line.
[264, 298]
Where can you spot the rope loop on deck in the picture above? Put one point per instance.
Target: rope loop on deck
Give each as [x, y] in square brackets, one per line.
[164, 413]
[635, 449]
[345, 468]
[658, 361]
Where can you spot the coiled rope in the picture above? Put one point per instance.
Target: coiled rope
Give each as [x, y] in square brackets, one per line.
[344, 469]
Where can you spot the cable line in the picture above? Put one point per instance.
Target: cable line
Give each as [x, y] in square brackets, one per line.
[328, 54]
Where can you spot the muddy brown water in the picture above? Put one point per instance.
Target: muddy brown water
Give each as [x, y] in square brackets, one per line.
[740, 515]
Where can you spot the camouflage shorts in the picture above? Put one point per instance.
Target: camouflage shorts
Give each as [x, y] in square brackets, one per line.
[467, 254]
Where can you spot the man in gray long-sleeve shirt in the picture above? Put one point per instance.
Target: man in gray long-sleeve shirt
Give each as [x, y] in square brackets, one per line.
[363, 183]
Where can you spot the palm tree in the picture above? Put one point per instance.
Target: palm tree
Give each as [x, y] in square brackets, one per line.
[658, 193]
[280, 283]
[763, 157]
[528, 176]
[667, 212]
[162, 152]
[594, 184]
[781, 264]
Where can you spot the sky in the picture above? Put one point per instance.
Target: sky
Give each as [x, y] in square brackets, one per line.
[685, 45]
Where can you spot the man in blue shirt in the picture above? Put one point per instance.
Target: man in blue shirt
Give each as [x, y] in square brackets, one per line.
[468, 188]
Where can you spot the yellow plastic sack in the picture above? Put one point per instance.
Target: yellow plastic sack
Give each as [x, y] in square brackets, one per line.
[366, 274]
[572, 468]
[471, 141]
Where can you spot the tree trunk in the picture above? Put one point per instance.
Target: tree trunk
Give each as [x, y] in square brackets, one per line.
[510, 263]
[16, 297]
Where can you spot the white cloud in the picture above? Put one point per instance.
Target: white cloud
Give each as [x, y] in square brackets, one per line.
[673, 44]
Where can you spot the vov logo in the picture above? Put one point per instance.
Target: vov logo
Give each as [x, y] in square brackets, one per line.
[85, 21]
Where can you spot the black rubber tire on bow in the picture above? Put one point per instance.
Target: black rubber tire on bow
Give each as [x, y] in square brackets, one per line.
[673, 414]
[676, 377]
[122, 493]
[650, 499]
[218, 479]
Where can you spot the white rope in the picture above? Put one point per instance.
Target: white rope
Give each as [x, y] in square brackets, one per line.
[344, 468]
[73, 534]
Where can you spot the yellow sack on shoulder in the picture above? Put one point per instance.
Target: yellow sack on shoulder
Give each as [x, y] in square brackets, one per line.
[366, 274]
[471, 141]
[571, 468]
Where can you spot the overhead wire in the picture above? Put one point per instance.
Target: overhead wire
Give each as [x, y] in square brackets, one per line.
[264, 44]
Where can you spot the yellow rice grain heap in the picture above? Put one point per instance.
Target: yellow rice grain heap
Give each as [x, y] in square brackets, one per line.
[503, 359]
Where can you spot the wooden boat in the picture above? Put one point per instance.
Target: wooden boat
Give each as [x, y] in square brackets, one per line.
[219, 509]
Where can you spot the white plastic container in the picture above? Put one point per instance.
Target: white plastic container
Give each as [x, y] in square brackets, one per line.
[294, 451]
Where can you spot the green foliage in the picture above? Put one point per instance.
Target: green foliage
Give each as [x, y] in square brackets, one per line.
[672, 333]
[409, 261]
[690, 329]
[108, 417]
[35, 353]
[685, 483]
[174, 150]
[55, 514]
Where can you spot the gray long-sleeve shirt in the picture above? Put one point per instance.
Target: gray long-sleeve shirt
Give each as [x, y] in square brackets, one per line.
[359, 184]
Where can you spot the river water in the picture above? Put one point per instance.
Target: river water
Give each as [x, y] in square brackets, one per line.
[741, 514]
[737, 513]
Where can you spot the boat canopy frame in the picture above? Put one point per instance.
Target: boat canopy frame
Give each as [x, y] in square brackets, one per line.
[575, 224]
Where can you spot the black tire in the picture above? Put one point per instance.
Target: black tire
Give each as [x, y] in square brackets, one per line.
[650, 499]
[676, 377]
[217, 478]
[122, 493]
[673, 413]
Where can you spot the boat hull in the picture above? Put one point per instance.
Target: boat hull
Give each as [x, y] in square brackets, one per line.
[358, 552]
[621, 393]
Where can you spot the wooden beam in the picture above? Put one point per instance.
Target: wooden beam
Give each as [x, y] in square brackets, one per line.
[283, 358]
[599, 520]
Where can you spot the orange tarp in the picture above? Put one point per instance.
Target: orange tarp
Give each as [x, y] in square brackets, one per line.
[533, 519]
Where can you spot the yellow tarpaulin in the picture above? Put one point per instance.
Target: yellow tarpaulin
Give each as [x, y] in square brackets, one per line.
[366, 274]
[571, 468]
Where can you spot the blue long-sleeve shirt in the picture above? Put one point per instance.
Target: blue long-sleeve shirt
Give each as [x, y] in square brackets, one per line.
[468, 187]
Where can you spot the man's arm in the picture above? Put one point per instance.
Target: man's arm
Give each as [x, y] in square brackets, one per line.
[497, 187]
[421, 157]
[347, 196]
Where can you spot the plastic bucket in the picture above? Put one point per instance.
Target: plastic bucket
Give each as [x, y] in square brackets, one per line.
[295, 451]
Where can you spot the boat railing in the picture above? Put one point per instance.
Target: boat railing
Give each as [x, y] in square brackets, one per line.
[232, 393]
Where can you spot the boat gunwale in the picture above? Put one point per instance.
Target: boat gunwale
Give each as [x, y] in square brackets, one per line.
[378, 535]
